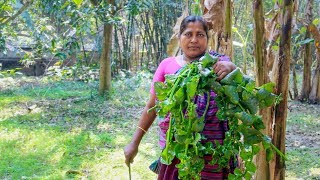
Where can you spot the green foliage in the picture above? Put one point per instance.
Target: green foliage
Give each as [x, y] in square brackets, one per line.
[135, 7]
[78, 2]
[236, 98]
[196, 8]
[10, 73]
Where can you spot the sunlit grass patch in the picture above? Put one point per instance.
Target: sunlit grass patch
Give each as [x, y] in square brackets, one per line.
[315, 172]
[303, 162]
[11, 111]
[47, 152]
[57, 90]
[304, 116]
[6, 99]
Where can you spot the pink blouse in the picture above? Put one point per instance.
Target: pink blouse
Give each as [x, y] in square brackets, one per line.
[167, 66]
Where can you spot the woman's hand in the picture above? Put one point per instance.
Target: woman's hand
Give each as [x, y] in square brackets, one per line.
[222, 68]
[130, 151]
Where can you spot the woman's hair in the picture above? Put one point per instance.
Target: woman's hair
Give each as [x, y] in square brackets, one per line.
[190, 19]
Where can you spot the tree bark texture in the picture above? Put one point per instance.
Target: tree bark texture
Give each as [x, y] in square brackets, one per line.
[307, 58]
[315, 90]
[295, 56]
[282, 78]
[261, 70]
[314, 96]
[272, 33]
[214, 14]
[105, 61]
[226, 38]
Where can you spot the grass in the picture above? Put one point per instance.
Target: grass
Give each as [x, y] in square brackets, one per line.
[303, 141]
[64, 130]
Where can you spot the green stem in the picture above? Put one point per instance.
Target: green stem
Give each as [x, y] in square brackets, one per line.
[168, 139]
[279, 152]
[207, 105]
[177, 82]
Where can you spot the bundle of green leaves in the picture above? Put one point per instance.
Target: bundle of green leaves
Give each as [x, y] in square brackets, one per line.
[238, 100]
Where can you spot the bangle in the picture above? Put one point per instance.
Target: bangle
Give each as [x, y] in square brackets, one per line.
[142, 129]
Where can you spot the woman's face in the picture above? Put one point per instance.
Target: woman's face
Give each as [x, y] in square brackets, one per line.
[193, 40]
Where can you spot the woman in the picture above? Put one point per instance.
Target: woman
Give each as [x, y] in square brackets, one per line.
[193, 38]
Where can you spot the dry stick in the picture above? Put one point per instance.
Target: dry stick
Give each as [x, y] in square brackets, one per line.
[129, 171]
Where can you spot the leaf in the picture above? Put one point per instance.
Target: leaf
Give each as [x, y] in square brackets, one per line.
[233, 77]
[192, 86]
[249, 101]
[269, 154]
[167, 155]
[179, 96]
[61, 55]
[198, 125]
[245, 155]
[246, 118]
[180, 138]
[266, 142]
[231, 93]
[270, 100]
[161, 90]
[208, 60]
[252, 136]
[262, 94]
[255, 149]
[268, 87]
[231, 177]
[303, 30]
[250, 166]
[316, 21]
[258, 123]
[306, 41]
[237, 172]
[77, 2]
[221, 115]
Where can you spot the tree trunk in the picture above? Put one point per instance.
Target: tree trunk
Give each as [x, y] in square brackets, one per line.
[105, 64]
[218, 14]
[262, 172]
[282, 78]
[214, 14]
[315, 90]
[226, 38]
[306, 83]
[314, 96]
[295, 81]
[295, 57]
[272, 33]
[105, 61]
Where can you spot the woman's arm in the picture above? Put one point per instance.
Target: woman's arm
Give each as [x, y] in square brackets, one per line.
[146, 119]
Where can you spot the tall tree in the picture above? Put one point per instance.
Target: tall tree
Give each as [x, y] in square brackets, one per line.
[314, 96]
[105, 61]
[282, 81]
[262, 77]
[218, 14]
[307, 58]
